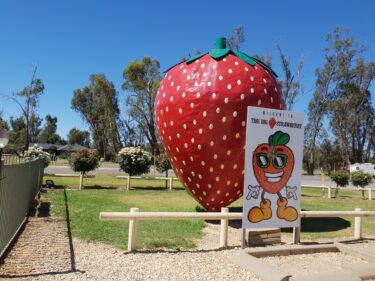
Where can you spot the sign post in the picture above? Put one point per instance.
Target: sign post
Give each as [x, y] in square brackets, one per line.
[273, 168]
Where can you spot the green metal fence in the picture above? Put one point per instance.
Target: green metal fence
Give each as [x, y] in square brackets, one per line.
[19, 185]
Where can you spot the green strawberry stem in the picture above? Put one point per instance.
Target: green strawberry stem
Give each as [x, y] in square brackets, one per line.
[221, 43]
[221, 51]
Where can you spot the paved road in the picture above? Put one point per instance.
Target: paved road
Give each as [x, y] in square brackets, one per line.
[306, 180]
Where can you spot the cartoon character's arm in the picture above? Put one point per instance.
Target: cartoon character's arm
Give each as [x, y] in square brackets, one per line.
[291, 192]
[253, 192]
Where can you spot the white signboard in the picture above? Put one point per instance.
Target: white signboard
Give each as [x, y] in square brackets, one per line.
[273, 168]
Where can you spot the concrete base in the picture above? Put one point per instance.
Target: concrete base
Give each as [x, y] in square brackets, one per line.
[263, 270]
[340, 275]
[248, 260]
[364, 270]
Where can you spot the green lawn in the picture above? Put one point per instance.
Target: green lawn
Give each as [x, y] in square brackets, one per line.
[84, 208]
[313, 228]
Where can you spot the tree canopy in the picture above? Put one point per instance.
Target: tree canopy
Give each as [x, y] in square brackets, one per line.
[97, 104]
[48, 133]
[77, 136]
[142, 80]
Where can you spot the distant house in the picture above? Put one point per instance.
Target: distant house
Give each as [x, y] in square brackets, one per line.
[365, 167]
[71, 147]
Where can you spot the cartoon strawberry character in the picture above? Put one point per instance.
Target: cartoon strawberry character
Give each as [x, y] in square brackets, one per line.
[273, 164]
[200, 113]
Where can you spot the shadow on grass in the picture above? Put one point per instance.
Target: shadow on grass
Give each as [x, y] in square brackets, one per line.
[321, 225]
[307, 224]
[63, 187]
[232, 223]
[155, 188]
[99, 187]
[311, 196]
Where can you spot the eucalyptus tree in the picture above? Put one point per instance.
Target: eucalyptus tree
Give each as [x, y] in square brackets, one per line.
[30, 94]
[141, 81]
[342, 49]
[97, 104]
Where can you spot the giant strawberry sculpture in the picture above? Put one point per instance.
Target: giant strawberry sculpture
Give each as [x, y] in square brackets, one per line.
[200, 112]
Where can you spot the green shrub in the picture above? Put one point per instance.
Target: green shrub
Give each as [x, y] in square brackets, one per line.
[162, 163]
[341, 178]
[360, 178]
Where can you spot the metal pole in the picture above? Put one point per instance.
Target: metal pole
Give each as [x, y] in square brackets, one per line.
[243, 239]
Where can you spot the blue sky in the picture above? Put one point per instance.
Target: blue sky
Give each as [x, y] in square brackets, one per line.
[69, 40]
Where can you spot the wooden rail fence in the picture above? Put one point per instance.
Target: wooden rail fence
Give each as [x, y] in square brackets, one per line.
[128, 178]
[224, 216]
[329, 189]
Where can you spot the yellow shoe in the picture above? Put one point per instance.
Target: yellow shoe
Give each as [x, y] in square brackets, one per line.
[285, 212]
[264, 212]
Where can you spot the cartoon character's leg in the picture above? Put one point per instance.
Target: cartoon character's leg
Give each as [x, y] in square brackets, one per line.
[264, 212]
[285, 212]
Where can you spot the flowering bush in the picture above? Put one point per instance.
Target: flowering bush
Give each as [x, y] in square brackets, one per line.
[84, 160]
[36, 152]
[134, 160]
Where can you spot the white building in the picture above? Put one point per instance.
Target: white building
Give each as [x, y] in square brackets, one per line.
[365, 167]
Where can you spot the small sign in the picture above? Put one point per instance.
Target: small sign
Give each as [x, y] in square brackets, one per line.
[273, 168]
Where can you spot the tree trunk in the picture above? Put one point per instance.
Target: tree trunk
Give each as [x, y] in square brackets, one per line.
[166, 181]
[128, 182]
[27, 138]
[81, 180]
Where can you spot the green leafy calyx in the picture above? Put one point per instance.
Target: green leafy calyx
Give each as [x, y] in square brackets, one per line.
[221, 51]
[278, 138]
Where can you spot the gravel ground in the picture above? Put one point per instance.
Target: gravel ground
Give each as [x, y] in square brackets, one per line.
[311, 263]
[97, 261]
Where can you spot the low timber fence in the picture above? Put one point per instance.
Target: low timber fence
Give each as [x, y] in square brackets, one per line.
[224, 216]
[368, 189]
[19, 185]
[10, 159]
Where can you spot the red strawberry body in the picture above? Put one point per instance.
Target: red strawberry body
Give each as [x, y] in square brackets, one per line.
[200, 112]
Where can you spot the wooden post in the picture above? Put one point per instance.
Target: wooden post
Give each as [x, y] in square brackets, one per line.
[297, 233]
[369, 194]
[128, 183]
[132, 236]
[357, 225]
[329, 192]
[81, 180]
[224, 230]
[170, 183]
